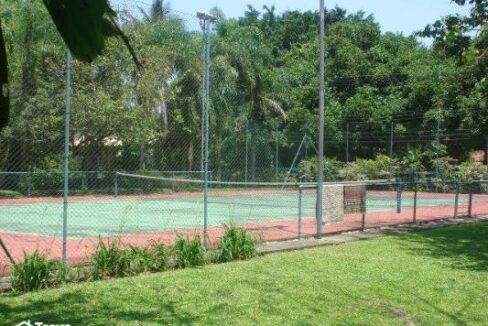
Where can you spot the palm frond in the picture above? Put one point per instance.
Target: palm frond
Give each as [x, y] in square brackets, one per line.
[85, 25]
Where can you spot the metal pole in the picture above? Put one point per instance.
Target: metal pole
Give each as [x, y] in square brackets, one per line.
[205, 188]
[320, 169]
[470, 207]
[399, 196]
[277, 153]
[67, 121]
[347, 143]
[247, 153]
[203, 24]
[415, 203]
[456, 201]
[300, 197]
[206, 23]
[391, 140]
[116, 184]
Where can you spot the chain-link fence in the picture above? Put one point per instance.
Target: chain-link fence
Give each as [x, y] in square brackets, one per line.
[136, 159]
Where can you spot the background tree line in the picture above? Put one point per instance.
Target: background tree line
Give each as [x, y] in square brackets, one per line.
[264, 92]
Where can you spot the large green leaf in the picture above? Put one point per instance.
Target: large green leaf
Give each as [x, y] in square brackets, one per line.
[85, 25]
[4, 101]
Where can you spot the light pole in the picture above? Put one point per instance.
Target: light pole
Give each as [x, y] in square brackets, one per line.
[320, 175]
[67, 122]
[205, 20]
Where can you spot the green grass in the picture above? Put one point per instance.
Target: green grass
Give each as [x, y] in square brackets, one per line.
[427, 278]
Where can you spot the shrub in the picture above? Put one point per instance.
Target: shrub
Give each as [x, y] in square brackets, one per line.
[9, 194]
[37, 272]
[109, 260]
[160, 257]
[382, 167]
[188, 252]
[140, 260]
[236, 244]
[469, 171]
[308, 170]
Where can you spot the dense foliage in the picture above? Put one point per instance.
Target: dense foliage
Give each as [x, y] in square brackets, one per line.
[263, 79]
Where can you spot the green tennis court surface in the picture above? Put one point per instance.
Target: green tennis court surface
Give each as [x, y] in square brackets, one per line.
[103, 217]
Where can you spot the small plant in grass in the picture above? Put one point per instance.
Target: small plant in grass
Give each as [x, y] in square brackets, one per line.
[141, 260]
[37, 272]
[236, 244]
[160, 254]
[109, 260]
[188, 252]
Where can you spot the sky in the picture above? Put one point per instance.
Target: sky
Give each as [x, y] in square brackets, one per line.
[405, 16]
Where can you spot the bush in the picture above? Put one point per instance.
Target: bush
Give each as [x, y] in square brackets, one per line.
[236, 244]
[110, 260]
[9, 194]
[469, 171]
[188, 252]
[308, 170]
[382, 167]
[160, 257]
[37, 272]
[140, 260]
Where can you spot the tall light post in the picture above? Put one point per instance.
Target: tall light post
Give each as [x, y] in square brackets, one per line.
[67, 122]
[319, 214]
[206, 21]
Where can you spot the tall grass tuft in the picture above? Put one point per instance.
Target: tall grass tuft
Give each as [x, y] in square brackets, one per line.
[236, 244]
[37, 272]
[160, 254]
[188, 252]
[109, 260]
[141, 260]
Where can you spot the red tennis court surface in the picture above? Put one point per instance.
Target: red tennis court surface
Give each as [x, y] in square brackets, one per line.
[78, 250]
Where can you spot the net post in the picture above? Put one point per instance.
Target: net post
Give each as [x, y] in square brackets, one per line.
[415, 202]
[300, 198]
[470, 207]
[456, 201]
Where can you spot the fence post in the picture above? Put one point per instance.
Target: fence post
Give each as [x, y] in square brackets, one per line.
[456, 201]
[300, 195]
[415, 202]
[29, 184]
[399, 196]
[470, 207]
[116, 184]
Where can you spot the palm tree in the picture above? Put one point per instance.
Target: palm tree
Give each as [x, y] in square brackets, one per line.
[159, 12]
[84, 27]
[251, 60]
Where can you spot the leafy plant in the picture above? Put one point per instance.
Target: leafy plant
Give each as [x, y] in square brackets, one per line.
[236, 244]
[37, 272]
[109, 260]
[140, 260]
[188, 252]
[160, 254]
[382, 167]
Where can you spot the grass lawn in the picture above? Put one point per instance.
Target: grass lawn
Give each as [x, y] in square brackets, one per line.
[427, 278]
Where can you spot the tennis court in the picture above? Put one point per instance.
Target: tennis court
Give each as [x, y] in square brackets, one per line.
[139, 214]
[107, 215]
